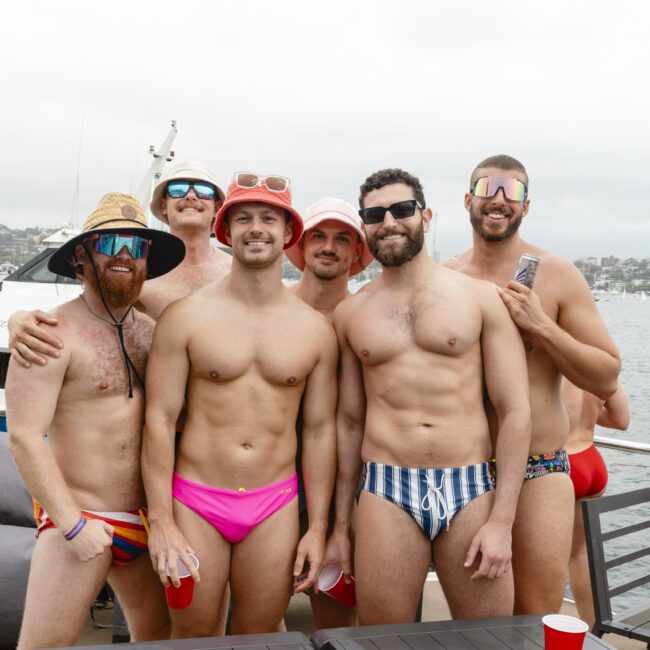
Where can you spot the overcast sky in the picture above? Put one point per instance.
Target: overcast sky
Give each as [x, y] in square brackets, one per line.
[328, 92]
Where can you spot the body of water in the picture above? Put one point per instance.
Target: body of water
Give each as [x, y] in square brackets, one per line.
[628, 321]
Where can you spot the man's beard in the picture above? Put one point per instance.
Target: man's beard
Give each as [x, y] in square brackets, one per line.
[118, 292]
[414, 244]
[326, 273]
[512, 227]
[256, 262]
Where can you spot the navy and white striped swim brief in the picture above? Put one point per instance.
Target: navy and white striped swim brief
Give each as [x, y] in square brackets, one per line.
[431, 496]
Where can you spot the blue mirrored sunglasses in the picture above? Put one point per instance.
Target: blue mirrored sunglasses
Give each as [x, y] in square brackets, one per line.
[111, 244]
[179, 189]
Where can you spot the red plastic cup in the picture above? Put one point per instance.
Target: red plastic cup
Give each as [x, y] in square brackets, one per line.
[332, 583]
[564, 632]
[181, 597]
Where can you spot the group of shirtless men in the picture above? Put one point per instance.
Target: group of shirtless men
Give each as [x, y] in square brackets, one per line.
[412, 397]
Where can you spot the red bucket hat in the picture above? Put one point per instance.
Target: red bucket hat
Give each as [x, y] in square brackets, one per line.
[258, 194]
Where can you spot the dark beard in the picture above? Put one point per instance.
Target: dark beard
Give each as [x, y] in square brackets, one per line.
[117, 292]
[414, 244]
[512, 227]
[327, 273]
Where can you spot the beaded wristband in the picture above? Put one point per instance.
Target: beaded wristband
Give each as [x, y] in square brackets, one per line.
[75, 530]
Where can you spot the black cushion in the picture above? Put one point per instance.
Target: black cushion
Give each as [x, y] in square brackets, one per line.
[16, 546]
[15, 501]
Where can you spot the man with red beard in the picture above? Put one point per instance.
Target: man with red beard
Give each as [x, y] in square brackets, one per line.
[242, 353]
[76, 431]
[563, 335]
[419, 345]
[186, 200]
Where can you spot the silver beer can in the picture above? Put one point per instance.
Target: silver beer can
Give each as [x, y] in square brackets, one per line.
[527, 268]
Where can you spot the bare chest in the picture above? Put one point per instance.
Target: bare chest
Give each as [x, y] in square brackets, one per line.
[98, 366]
[389, 326]
[276, 351]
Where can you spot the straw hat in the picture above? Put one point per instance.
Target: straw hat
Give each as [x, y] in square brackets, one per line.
[187, 171]
[337, 210]
[121, 213]
[257, 194]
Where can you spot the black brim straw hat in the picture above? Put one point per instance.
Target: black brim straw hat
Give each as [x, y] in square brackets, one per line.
[122, 214]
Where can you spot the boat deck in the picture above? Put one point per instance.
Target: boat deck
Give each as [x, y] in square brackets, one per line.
[298, 618]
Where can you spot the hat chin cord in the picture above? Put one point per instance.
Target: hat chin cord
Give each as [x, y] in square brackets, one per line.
[118, 324]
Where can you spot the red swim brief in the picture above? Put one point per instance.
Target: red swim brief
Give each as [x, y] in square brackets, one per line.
[588, 472]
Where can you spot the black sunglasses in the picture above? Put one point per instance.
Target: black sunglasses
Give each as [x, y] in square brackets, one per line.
[399, 210]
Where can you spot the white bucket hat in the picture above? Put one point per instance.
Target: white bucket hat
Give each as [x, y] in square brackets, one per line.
[337, 210]
[189, 171]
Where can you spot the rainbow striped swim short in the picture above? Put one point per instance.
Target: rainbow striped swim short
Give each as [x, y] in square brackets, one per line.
[129, 533]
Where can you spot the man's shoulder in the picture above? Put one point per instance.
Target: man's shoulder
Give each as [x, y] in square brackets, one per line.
[179, 310]
[465, 282]
[555, 263]
[71, 317]
[355, 301]
[558, 272]
[295, 307]
[457, 262]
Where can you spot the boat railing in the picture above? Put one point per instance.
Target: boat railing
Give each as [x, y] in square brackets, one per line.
[622, 445]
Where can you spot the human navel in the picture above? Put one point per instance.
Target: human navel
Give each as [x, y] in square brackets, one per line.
[103, 385]
[452, 340]
[291, 380]
[247, 445]
[213, 374]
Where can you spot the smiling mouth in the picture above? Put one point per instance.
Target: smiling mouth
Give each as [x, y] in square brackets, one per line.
[496, 216]
[119, 269]
[256, 243]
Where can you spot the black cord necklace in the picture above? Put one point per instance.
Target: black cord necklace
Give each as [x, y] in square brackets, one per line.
[118, 324]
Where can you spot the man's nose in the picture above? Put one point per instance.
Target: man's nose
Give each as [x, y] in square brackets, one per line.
[500, 196]
[389, 220]
[124, 252]
[256, 225]
[329, 244]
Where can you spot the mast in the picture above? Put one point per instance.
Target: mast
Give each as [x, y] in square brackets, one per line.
[160, 157]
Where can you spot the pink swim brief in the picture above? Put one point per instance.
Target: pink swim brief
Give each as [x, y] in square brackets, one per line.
[234, 513]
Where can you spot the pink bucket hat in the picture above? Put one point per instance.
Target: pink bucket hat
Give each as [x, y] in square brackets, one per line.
[337, 210]
[258, 194]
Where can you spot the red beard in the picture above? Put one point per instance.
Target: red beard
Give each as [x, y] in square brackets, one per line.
[119, 291]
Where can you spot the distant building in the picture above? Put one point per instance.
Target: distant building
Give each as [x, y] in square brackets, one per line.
[609, 261]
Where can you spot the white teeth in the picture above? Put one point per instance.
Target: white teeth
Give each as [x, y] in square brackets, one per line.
[120, 269]
[392, 237]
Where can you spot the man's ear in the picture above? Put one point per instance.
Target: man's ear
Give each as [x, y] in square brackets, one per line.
[226, 232]
[358, 251]
[426, 218]
[80, 255]
[288, 232]
[468, 201]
